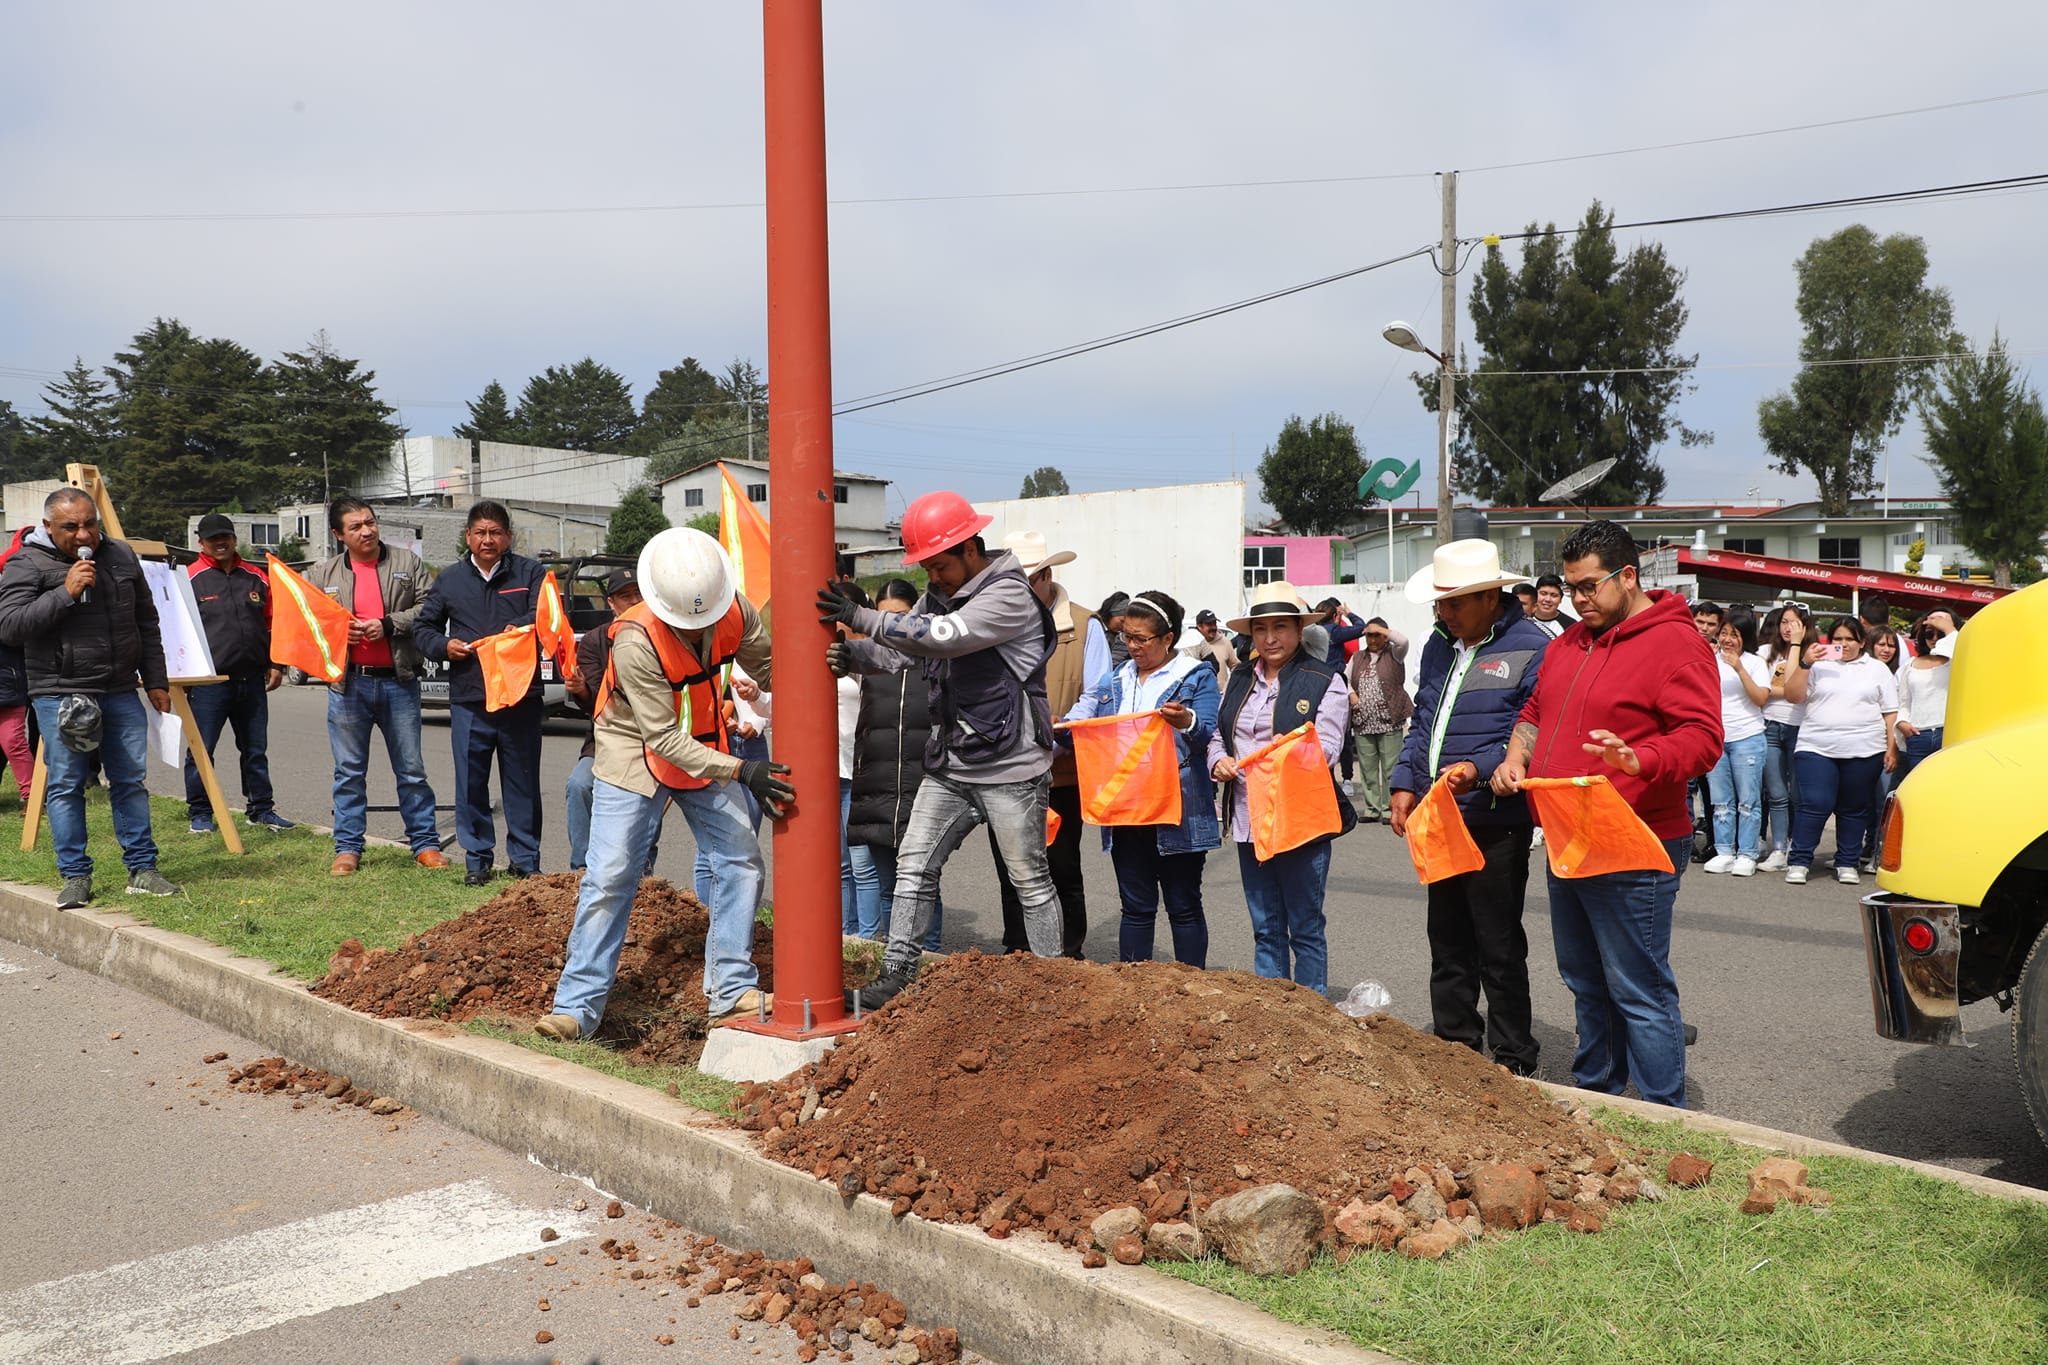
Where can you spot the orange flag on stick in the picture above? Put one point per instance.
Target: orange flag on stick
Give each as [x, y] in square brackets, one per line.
[1438, 841]
[1291, 797]
[308, 629]
[1052, 826]
[508, 660]
[743, 531]
[551, 626]
[1588, 829]
[1129, 767]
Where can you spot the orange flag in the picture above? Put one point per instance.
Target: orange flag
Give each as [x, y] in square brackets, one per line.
[308, 629]
[1052, 825]
[1291, 796]
[743, 531]
[1588, 829]
[1438, 841]
[508, 660]
[551, 626]
[1129, 767]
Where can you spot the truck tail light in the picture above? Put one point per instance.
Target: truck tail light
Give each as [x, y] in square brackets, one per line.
[1894, 836]
[1918, 935]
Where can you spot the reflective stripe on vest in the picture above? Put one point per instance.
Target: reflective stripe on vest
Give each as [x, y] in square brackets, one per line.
[700, 686]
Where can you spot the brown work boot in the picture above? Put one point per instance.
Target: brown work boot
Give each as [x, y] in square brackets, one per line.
[345, 864]
[559, 1027]
[430, 857]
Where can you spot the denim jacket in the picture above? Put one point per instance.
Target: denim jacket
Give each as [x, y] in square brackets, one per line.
[1198, 831]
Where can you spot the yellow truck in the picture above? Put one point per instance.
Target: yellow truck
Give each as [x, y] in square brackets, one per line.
[1962, 913]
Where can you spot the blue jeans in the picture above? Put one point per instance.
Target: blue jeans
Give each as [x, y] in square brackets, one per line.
[1612, 935]
[1285, 897]
[1781, 786]
[884, 860]
[1917, 746]
[943, 813]
[124, 757]
[393, 707]
[1843, 788]
[243, 703]
[579, 793]
[860, 887]
[1737, 783]
[1143, 876]
[512, 737]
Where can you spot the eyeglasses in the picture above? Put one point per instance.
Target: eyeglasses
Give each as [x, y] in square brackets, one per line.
[1588, 589]
[71, 526]
[1131, 639]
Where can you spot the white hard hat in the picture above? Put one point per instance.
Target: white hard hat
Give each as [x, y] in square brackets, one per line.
[686, 578]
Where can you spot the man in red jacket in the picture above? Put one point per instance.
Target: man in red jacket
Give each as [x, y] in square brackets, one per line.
[1632, 692]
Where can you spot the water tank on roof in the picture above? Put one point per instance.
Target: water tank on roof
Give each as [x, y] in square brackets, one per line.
[1468, 523]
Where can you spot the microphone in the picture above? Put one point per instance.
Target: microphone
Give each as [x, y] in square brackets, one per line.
[85, 556]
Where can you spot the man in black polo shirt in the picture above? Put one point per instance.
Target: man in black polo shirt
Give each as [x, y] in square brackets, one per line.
[234, 609]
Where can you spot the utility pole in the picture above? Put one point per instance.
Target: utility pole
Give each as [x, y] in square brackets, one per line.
[1446, 381]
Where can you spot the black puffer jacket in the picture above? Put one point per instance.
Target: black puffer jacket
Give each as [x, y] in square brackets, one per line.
[888, 756]
[69, 646]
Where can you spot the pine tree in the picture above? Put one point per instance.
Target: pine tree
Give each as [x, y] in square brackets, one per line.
[1044, 482]
[584, 406]
[79, 427]
[490, 417]
[198, 430]
[17, 460]
[333, 428]
[680, 396]
[1988, 441]
[637, 520]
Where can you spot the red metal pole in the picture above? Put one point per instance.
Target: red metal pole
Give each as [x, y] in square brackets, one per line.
[807, 929]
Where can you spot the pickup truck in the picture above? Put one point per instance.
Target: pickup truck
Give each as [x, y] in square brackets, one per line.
[582, 581]
[1962, 910]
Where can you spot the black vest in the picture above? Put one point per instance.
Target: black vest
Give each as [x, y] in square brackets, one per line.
[1303, 681]
[980, 708]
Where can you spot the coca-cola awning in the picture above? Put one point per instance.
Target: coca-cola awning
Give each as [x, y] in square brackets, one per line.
[1801, 573]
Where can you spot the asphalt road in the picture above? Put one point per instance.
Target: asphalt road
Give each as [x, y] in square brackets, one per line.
[155, 1213]
[1772, 975]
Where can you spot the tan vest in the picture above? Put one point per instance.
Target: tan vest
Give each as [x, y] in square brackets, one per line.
[1064, 685]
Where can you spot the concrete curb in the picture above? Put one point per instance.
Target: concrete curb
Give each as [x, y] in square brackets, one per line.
[1022, 1299]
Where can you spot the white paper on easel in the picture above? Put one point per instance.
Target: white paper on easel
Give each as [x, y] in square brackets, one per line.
[167, 737]
[177, 611]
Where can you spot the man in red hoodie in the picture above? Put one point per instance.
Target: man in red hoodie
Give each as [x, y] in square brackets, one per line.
[1632, 692]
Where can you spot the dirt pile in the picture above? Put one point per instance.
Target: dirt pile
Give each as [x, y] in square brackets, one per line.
[1030, 1092]
[503, 958]
[825, 1316]
[306, 1085]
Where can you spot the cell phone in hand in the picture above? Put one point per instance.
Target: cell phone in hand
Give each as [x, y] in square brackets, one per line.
[1829, 654]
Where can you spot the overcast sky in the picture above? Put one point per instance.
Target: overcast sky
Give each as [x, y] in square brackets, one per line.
[334, 112]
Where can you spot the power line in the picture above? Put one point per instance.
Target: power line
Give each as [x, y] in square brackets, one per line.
[1823, 363]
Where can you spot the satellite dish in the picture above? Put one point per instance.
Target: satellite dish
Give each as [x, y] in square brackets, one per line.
[1577, 481]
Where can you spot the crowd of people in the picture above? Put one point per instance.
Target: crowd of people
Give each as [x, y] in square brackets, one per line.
[1735, 736]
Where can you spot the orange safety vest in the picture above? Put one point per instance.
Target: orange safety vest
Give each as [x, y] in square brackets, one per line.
[700, 686]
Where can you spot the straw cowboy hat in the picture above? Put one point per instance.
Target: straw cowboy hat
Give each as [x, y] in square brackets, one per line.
[1029, 547]
[1278, 598]
[1463, 566]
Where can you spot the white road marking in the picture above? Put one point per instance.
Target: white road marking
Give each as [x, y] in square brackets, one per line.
[200, 1296]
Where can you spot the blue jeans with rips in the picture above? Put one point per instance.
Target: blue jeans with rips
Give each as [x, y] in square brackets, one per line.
[242, 703]
[942, 815]
[124, 757]
[1612, 934]
[1285, 897]
[393, 707]
[1737, 784]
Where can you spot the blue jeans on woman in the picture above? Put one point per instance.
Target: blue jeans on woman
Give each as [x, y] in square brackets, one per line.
[1918, 745]
[1143, 876]
[860, 887]
[1843, 788]
[1285, 897]
[1737, 783]
[1781, 786]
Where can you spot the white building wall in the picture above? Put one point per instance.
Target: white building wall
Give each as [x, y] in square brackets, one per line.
[23, 502]
[438, 466]
[863, 519]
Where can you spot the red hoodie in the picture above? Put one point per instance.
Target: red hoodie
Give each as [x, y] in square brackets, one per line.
[1650, 679]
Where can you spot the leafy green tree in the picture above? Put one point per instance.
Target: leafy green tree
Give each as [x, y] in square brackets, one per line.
[78, 427]
[584, 406]
[1860, 296]
[1591, 311]
[707, 522]
[1988, 441]
[727, 437]
[635, 521]
[490, 417]
[1044, 482]
[198, 430]
[681, 395]
[333, 429]
[1310, 474]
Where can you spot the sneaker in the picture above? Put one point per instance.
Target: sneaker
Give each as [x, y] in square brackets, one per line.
[1720, 862]
[1795, 876]
[1536, 838]
[882, 989]
[203, 824]
[1870, 865]
[1744, 867]
[1847, 876]
[270, 819]
[150, 882]
[76, 895]
[560, 1027]
[1347, 788]
[1776, 862]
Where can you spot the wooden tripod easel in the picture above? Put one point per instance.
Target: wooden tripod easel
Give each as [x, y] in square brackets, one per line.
[87, 478]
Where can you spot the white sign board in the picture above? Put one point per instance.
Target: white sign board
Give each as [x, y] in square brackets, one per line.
[177, 611]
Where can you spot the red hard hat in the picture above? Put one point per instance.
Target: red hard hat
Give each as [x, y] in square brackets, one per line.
[937, 522]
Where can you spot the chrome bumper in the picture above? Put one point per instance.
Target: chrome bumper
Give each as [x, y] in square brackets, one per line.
[1913, 994]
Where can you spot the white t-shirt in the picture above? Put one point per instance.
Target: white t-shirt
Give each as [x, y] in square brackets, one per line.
[1777, 708]
[1740, 717]
[1923, 695]
[1845, 708]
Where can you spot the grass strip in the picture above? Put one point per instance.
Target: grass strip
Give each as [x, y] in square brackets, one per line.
[685, 1083]
[1904, 1267]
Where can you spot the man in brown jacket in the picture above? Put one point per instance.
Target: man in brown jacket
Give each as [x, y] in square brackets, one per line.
[1078, 661]
[1380, 707]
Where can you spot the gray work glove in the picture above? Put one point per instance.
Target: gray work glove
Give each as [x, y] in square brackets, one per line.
[839, 658]
[764, 780]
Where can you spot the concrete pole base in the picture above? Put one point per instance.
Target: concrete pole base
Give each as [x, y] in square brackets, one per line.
[740, 1056]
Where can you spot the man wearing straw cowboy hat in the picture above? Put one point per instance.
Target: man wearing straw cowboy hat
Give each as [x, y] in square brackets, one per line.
[1079, 661]
[1478, 668]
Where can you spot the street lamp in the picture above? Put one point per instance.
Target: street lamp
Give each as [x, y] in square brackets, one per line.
[1403, 335]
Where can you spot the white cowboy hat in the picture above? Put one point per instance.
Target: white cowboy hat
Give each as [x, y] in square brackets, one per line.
[1277, 598]
[1461, 567]
[1029, 547]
